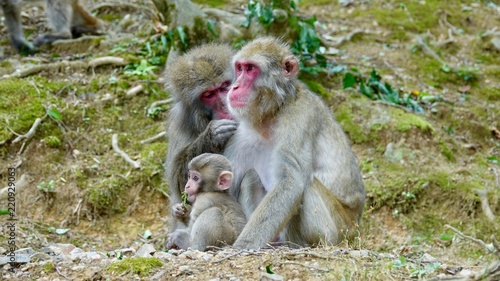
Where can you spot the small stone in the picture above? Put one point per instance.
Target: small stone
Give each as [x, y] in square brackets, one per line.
[39, 257]
[264, 276]
[65, 249]
[126, 251]
[184, 269]
[75, 251]
[173, 252]
[158, 275]
[25, 251]
[428, 258]
[496, 43]
[163, 255]
[16, 259]
[146, 251]
[359, 253]
[206, 257]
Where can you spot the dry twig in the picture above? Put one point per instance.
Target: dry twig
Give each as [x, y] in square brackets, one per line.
[134, 90]
[30, 133]
[107, 60]
[152, 139]
[490, 249]
[485, 205]
[114, 143]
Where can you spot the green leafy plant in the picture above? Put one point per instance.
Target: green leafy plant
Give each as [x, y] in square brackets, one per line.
[306, 44]
[46, 186]
[374, 88]
[184, 197]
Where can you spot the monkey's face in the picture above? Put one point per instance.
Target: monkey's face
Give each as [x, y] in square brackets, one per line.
[215, 98]
[243, 90]
[193, 185]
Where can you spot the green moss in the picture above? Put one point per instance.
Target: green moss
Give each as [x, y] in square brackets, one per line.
[141, 266]
[48, 267]
[405, 121]
[447, 151]
[52, 141]
[316, 87]
[22, 102]
[491, 94]
[212, 3]
[356, 132]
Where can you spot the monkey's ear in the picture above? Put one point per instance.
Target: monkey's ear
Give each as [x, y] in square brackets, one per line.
[225, 179]
[291, 66]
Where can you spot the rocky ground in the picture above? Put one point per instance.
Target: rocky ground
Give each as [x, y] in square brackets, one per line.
[432, 178]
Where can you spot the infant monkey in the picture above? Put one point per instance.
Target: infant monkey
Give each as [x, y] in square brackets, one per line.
[215, 219]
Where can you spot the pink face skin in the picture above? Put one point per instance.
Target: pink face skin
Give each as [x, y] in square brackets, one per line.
[215, 97]
[193, 185]
[247, 72]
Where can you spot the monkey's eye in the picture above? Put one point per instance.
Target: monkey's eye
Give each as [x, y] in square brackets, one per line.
[196, 178]
[224, 85]
[250, 67]
[239, 68]
[207, 94]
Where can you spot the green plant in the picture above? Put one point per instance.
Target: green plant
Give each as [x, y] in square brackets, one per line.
[373, 88]
[46, 186]
[306, 44]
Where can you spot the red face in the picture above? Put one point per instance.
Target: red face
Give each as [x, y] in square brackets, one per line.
[193, 185]
[215, 97]
[247, 72]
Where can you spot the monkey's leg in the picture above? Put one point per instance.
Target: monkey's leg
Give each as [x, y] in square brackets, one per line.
[251, 192]
[322, 218]
[59, 16]
[211, 229]
[83, 22]
[12, 15]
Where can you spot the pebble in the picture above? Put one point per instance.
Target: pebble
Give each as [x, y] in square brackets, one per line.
[145, 251]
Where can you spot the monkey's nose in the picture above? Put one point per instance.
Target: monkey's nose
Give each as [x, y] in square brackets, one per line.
[236, 86]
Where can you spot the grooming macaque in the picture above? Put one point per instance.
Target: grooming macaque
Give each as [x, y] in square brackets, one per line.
[216, 219]
[199, 122]
[66, 19]
[312, 191]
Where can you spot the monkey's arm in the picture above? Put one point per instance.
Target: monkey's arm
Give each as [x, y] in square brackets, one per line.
[212, 140]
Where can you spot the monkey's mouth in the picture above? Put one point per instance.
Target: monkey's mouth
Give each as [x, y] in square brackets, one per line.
[191, 198]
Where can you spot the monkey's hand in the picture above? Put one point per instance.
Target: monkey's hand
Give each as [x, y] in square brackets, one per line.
[180, 212]
[219, 132]
[178, 239]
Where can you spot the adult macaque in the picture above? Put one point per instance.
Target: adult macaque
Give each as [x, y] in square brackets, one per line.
[216, 219]
[313, 190]
[199, 122]
[66, 19]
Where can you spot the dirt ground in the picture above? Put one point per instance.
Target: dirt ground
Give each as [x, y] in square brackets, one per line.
[432, 178]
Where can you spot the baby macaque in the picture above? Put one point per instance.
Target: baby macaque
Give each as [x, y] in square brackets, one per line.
[215, 219]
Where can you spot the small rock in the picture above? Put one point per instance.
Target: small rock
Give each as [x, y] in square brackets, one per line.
[64, 249]
[428, 258]
[126, 251]
[173, 252]
[184, 269]
[39, 257]
[16, 259]
[48, 250]
[264, 276]
[158, 275]
[496, 43]
[88, 257]
[146, 251]
[206, 257]
[163, 255]
[75, 251]
[359, 253]
[25, 251]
